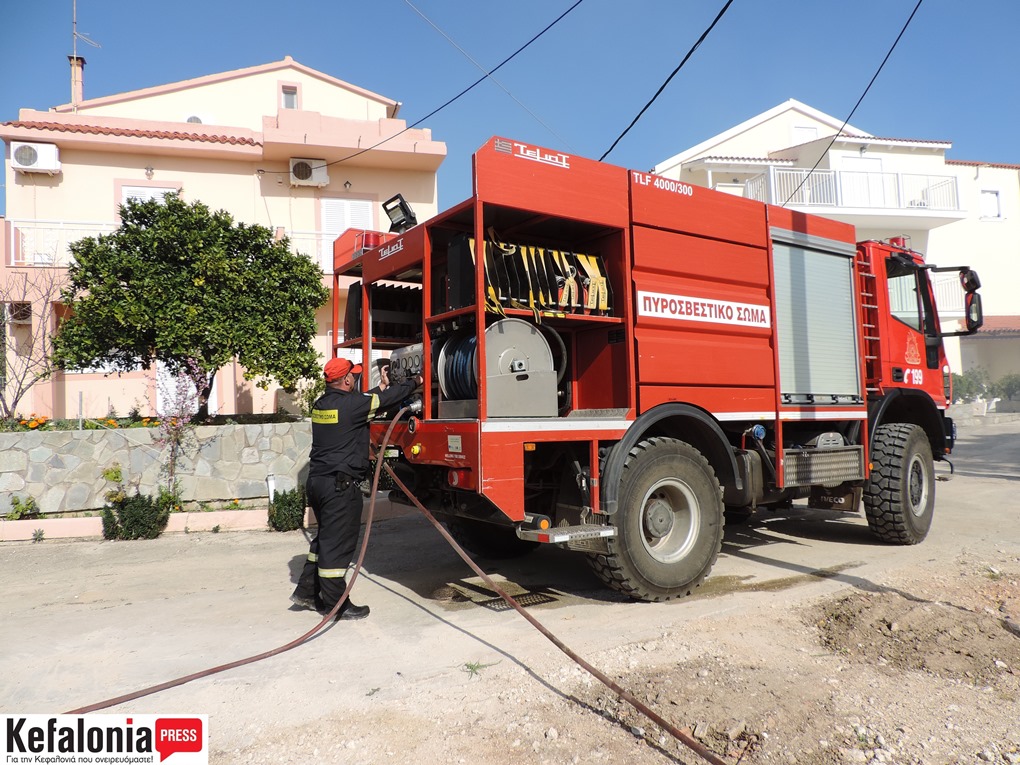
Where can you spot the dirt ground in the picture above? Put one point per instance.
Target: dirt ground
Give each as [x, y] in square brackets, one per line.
[924, 669]
[810, 643]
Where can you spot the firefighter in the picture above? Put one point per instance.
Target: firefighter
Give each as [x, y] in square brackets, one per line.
[338, 461]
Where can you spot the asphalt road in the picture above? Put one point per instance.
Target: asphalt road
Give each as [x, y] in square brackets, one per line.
[83, 621]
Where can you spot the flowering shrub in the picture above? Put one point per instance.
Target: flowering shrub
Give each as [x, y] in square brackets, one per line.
[33, 421]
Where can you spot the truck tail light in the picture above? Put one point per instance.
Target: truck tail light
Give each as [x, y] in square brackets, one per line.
[460, 477]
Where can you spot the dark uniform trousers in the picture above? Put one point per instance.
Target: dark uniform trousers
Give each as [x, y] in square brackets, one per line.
[337, 503]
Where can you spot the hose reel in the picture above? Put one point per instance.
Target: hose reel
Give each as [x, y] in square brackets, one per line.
[521, 379]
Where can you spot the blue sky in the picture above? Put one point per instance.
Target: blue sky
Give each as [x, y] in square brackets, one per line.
[952, 77]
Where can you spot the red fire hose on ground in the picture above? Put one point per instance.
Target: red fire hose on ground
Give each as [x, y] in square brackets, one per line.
[681, 735]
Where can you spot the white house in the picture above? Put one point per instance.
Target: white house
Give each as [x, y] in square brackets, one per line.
[956, 212]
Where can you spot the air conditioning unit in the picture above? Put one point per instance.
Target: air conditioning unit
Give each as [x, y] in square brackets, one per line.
[308, 172]
[19, 313]
[35, 157]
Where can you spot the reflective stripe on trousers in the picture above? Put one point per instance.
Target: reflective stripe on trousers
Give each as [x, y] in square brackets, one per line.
[332, 573]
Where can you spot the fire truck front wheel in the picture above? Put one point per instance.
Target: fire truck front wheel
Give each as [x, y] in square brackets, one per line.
[669, 522]
[899, 500]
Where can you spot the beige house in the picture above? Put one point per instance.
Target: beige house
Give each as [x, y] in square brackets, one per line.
[280, 145]
[956, 212]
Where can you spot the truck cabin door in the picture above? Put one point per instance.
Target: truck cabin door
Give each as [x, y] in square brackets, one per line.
[913, 331]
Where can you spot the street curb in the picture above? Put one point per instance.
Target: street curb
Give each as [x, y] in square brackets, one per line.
[226, 520]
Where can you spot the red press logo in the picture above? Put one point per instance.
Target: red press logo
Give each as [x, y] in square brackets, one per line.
[102, 739]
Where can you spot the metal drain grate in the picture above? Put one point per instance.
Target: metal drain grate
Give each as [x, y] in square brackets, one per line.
[525, 599]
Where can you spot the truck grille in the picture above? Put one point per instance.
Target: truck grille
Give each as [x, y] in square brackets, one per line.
[815, 467]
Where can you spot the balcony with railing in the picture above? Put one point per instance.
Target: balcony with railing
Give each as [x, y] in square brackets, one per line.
[317, 245]
[46, 243]
[949, 297]
[923, 201]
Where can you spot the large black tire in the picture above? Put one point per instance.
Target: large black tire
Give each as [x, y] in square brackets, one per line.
[669, 523]
[899, 500]
[489, 540]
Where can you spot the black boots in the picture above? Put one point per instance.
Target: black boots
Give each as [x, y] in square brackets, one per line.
[350, 612]
[303, 601]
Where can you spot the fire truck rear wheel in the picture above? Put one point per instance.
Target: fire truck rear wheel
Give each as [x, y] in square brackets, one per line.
[669, 522]
[488, 540]
[899, 500]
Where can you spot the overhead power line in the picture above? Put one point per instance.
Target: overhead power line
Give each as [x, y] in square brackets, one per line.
[464, 92]
[671, 76]
[859, 100]
[478, 66]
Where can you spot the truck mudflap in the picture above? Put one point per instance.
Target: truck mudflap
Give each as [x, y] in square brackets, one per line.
[844, 497]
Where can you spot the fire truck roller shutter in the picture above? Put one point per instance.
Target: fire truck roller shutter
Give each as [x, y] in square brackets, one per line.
[669, 522]
[816, 318]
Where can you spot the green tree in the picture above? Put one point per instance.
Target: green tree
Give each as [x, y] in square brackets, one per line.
[971, 385]
[1007, 386]
[178, 283]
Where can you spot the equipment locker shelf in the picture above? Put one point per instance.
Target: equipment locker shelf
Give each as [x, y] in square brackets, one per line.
[596, 380]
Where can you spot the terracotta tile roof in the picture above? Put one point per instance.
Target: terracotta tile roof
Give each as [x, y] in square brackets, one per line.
[745, 160]
[1001, 165]
[1000, 326]
[895, 140]
[61, 127]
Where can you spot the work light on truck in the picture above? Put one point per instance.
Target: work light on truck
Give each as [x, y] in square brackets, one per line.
[401, 215]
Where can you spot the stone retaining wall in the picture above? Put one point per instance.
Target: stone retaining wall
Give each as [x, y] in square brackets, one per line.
[62, 470]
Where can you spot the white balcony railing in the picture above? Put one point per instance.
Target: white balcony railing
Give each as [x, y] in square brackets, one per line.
[45, 242]
[844, 188]
[949, 296]
[317, 245]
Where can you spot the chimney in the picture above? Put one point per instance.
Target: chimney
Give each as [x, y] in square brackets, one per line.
[77, 69]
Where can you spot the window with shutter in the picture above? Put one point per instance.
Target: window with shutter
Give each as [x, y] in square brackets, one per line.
[338, 215]
[144, 193]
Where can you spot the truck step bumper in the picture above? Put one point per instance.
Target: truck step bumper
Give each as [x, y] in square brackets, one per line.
[584, 537]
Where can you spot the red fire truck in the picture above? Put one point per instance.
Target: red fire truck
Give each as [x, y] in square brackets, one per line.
[614, 361]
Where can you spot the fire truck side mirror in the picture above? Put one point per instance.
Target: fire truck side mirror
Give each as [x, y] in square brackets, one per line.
[972, 306]
[969, 281]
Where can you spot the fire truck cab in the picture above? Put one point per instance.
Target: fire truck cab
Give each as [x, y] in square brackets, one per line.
[613, 360]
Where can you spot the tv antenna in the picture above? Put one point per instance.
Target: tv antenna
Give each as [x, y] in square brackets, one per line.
[76, 68]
